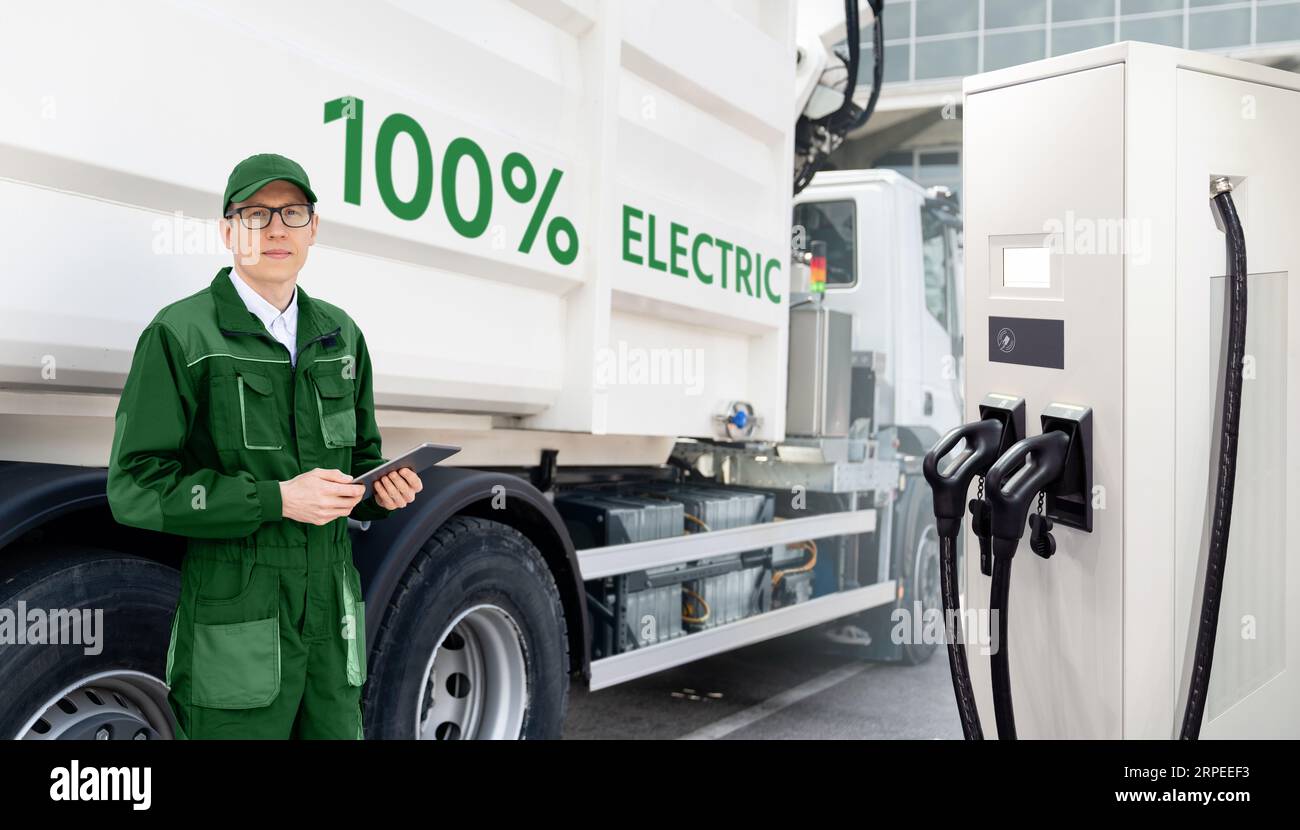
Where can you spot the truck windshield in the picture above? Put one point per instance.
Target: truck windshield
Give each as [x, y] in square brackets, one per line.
[937, 263]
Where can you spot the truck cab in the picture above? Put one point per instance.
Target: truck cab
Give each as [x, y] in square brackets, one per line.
[892, 259]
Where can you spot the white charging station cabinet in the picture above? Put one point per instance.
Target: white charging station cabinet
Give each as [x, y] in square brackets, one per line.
[1095, 276]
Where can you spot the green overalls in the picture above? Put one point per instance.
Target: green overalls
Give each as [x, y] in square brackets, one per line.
[268, 638]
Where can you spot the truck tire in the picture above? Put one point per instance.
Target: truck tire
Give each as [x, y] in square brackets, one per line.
[58, 691]
[474, 643]
[915, 557]
[916, 543]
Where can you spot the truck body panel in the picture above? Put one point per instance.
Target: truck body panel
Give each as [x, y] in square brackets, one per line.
[612, 97]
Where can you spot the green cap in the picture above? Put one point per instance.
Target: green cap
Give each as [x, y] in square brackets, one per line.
[254, 172]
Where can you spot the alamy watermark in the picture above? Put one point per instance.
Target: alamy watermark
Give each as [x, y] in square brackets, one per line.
[77, 783]
[55, 626]
[1074, 234]
[179, 235]
[627, 365]
[930, 626]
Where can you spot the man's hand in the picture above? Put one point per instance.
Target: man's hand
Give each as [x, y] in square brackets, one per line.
[395, 491]
[319, 496]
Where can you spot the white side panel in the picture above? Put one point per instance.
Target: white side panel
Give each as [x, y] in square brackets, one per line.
[1244, 131]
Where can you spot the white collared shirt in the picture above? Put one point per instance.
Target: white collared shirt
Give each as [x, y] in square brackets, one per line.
[283, 325]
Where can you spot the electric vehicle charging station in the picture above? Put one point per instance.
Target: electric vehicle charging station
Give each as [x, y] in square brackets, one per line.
[1096, 269]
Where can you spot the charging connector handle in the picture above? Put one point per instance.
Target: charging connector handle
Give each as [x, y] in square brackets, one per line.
[1010, 493]
[983, 440]
[949, 487]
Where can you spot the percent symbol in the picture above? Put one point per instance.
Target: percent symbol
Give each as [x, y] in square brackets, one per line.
[524, 193]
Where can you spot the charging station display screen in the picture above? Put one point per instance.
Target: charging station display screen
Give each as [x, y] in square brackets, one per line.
[1027, 267]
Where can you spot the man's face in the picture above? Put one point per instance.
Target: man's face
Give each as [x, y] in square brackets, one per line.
[275, 253]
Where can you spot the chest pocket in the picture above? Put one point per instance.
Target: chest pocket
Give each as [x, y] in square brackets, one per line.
[336, 405]
[261, 424]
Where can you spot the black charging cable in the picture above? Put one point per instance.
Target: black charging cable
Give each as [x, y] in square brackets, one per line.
[1217, 556]
[1012, 483]
[949, 486]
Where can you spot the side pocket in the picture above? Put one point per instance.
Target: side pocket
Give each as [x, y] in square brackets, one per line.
[361, 641]
[171, 649]
[236, 647]
[237, 665]
[353, 624]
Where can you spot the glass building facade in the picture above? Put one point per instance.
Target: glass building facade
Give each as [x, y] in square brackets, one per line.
[930, 40]
[931, 44]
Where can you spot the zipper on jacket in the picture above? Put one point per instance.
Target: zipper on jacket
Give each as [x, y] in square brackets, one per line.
[293, 387]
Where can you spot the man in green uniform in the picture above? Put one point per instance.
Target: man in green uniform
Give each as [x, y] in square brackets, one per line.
[247, 410]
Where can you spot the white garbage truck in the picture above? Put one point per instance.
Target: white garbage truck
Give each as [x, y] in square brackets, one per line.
[565, 228]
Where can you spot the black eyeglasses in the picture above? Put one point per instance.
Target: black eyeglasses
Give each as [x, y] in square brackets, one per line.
[256, 217]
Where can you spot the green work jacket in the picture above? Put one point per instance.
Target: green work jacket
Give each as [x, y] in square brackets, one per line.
[214, 416]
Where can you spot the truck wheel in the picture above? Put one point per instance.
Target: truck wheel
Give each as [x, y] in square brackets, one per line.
[474, 644]
[916, 540]
[59, 691]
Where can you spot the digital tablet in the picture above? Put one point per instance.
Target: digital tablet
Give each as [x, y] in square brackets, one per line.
[417, 458]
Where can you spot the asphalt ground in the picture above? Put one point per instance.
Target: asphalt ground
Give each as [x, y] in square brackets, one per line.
[798, 686]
